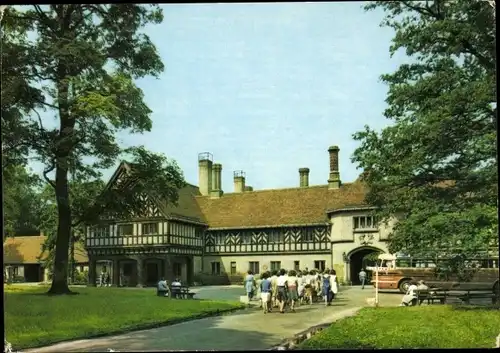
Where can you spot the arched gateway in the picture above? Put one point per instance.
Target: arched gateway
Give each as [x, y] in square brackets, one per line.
[357, 261]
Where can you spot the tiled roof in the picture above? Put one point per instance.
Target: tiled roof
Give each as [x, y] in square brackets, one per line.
[27, 249]
[187, 208]
[278, 207]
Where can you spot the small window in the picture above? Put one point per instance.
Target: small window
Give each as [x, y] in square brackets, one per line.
[364, 222]
[254, 267]
[219, 239]
[125, 229]
[320, 265]
[216, 268]
[233, 267]
[149, 228]
[275, 265]
[246, 239]
[275, 236]
[307, 235]
[296, 265]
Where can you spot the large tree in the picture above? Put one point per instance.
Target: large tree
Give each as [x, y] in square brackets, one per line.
[21, 200]
[80, 62]
[435, 166]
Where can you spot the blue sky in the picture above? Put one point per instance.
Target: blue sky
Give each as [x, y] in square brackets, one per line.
[266, 88]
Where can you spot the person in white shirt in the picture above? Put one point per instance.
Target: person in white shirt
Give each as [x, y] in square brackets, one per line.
[302, 283]
[410, 294]
[293, 285]
[281, 285]
[334, 286]
[274, 289]
[176, 288]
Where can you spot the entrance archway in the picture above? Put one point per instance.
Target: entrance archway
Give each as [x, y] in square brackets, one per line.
[357, 261]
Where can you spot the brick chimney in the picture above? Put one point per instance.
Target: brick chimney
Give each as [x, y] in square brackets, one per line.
[304, 177]
[216, 191]
[334, 179]
[205, 173]
[239, 181]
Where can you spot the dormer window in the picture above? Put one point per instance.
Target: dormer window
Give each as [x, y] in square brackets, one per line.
[364, 222]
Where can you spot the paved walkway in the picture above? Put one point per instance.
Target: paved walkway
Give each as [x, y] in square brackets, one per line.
[244, 330]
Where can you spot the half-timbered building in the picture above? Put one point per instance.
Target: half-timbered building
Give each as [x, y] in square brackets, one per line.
[212, 232]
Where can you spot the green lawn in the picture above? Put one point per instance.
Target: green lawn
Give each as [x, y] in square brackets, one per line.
[433, 326]
[34, 319]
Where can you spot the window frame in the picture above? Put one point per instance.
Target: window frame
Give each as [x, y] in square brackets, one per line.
[215, 265]
[360, 223]
[317, 262]
[272, 265]
[254, 266]
[146, 225]
[120, 227]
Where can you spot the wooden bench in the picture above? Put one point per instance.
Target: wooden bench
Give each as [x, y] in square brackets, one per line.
[185, 293]
[466, 298]
[431, 295]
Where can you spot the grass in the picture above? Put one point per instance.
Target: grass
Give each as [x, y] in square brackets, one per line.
[33, 319]
[433, 326]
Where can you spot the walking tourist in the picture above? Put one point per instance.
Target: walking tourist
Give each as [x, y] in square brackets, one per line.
[309, 287]
[265, 292]
[362, 278]
[250, 285]
[274, 289]
[292, 293]
[281, 290]
[334, 283]
[326, 287]
[302, 286]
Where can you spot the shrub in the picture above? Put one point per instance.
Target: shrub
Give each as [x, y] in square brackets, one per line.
[18, 279]
[81, 277]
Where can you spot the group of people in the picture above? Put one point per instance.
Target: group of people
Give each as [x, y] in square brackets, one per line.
[281, 289]
[174, 290]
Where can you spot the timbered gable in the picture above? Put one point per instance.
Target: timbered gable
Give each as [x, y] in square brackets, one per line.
[149, 207]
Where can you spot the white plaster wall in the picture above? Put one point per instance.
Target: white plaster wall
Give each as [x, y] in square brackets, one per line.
[346, 240]
[197, 264]
[287, 261]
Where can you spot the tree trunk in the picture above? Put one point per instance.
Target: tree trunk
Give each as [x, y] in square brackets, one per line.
[72, 260]
[60, 273]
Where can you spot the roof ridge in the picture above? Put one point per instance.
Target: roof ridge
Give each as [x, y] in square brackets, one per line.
[280, 189]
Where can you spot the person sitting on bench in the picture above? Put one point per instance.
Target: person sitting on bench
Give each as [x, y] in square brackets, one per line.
[410, 295]
[422, 286]
[176, 288]
[162, 288]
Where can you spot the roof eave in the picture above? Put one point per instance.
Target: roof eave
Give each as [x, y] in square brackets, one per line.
[349, 209]
[271, 226]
